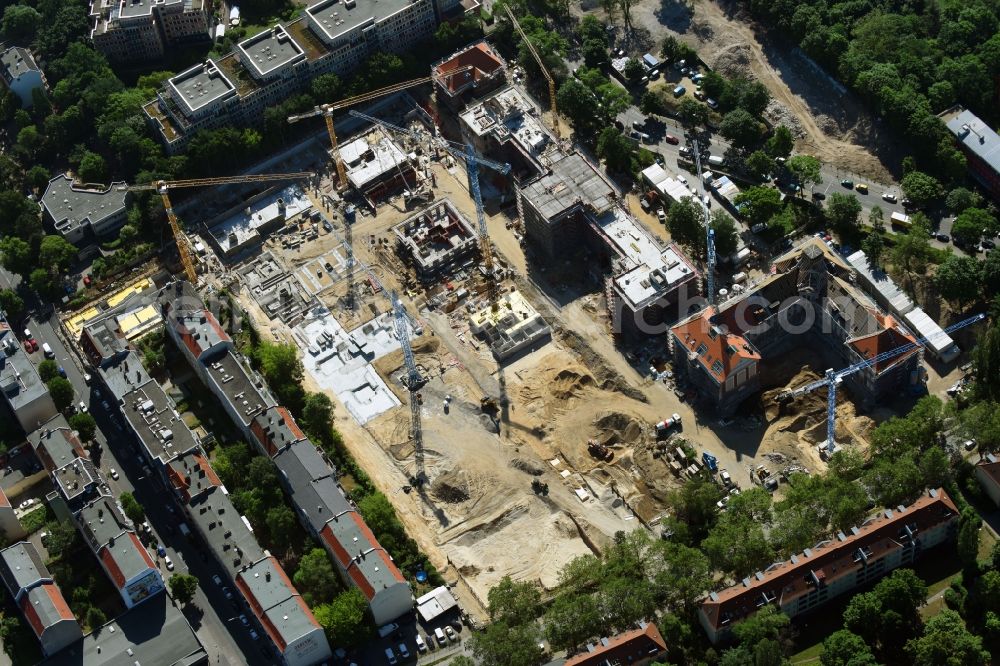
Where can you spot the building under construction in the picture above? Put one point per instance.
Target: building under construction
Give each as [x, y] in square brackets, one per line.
[514, 328]
[436, 240]
[376, 166]
[726, 353]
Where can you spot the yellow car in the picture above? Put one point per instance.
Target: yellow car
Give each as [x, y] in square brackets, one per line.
[861, 187]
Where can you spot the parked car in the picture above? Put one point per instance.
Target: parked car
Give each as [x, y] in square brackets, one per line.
[228, 593]
[862, 188]
[819, 196]
[760, 227]
[848, 183]
[82, 407]
[889, 196]
[87, 280]
[216, 579]
[254, 635]
[62, 372]
[451, 632]
[161, 551]
[390, 656]
[712, 104]
[671, 139]
[699, 95]
[421, 643]
[113, 473]
[944, 238]
[440, 637]
[30, 346]
[404, 652]
[244, 621]
[27, 503]
[988, 244]
[170, 563]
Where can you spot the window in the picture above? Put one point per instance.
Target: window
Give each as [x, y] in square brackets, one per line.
[702, 348]
[717, 367]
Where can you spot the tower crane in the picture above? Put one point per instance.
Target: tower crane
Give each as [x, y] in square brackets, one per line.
[413, 383]
[472, 162]
[709, 231]
[327, 111]
[833, 378]
[162, 187]
[541, 65]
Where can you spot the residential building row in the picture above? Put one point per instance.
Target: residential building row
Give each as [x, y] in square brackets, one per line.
[307, 477]
[127, 31]
[892, 539]
[26, 396]
[332, 36]
[174, 453]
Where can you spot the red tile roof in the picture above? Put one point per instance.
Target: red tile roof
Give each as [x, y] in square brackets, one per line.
[108, 558]
[182, 482]
[991, 466]
[266, 438]
[889, 338]
[372, 549]
[627, 648]
[731, 351]
[790, 579]
[58, 603]
[480, 56]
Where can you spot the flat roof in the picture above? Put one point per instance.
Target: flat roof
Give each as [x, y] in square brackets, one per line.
[106, 337]
[334, 17]
[101, 521]
[17, 61]
[76, 478]
[201, 85]
[19, 379]
[155, 419]
[244, 226]
[370, 156]
[510, 113]
[137, 8]
[269, 51]
[572, 182]
[975, 136]
[234, 381]
[153, 632]
[70, 206]
[435, 603]
[222, 527]
[21, 566]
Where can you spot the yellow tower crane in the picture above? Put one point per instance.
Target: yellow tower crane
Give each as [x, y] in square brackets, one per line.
[162, 188]
[541, 66]
[327, 111]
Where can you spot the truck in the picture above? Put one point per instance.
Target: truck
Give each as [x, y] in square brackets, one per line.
[711, 462]
[673, 422]
[716, 160]
[898, 219]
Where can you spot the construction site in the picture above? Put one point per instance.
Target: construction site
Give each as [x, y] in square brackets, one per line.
[516, 419]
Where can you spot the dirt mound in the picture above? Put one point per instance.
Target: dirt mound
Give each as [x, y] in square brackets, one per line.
[779, 114]
[451, 488]
[607, 377]
[527, 466]
[426, 344]
[734, 61]
[569, 383]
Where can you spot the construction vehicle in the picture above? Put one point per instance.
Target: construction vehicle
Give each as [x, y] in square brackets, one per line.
[833, 378]
[599, 451]
[666, 425]
[327, 111]
[541, 65]
[727, 480]
[162, 187]
[711, 462]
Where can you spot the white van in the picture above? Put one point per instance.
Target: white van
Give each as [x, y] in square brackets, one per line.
[441, 638]
[48, 350]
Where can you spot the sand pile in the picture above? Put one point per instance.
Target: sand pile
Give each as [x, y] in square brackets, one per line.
[734, 61]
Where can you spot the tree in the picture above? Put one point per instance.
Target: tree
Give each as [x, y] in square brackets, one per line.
[183, 587]
[17, 255]
[625, 7]
[326, 88]
[842, 648]
[634, 70]
[61, 391]
[759, 164]
[29, 142]
[912, 251]
[692, 113]
[344, 618]
[95, 618]
[935, 467]
[969, 525]
[502, 645]
[741, 128]
[843, 212]
[805, 168]
[921, 189]
[758, 204]
[48, 369]
[726, 233]
[738, 545]
[958, 279]
[685, 224]
[281, 367]
[862, 616]
[990, 273]
[595, 52]
[572, 619]
[514, 603]
[766, 624]
[20, 22]
[986, 361]
[316, 578]
[84, 424]
[282, 525]
[63, 538]
[56, 253]
[132, 508]
[781, 142]
[578, 102]
[970, 225]
[591, 27]
[873, 246]
[682, 577]
[47, 283]
[614, 149]
[694, 504]
[317, 414]
[946, 642]
[624, 602]
[962, 198]
[92, 168]
[379, 514]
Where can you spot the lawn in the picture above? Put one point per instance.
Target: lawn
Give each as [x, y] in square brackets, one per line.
[35, 519]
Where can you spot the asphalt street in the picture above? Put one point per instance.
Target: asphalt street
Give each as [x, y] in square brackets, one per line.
[214, 618]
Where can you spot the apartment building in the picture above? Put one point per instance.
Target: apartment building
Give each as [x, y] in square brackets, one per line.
[333, 36]
[979, 143]
[489, 72]
[26, 396]
[636, 648]
[41, 601]
[80, 213]
[21, 74]
[306, 475]
[887, 541]
[127, 31]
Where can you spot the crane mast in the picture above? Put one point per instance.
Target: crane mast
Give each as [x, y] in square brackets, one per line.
[541, 65]
[413, 383]
[709, 232]
[833, 378]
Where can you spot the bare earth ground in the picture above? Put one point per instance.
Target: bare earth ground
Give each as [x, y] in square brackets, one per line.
[828, 121]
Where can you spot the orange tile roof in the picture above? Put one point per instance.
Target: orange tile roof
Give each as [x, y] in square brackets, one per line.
[889, 338]
[786, 581]
[730, 350]
[481, 57]
[624, 648]
[58, 603]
